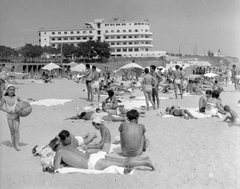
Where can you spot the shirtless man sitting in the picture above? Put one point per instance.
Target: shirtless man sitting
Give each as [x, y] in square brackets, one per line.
[132, 135]
[203, 101]
[66, 155]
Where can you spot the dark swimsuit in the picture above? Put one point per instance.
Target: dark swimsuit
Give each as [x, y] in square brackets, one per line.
[88, 81]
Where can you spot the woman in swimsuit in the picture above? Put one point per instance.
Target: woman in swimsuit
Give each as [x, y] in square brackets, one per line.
[178, 77]
[10, 100]
[147, 87]
[176, 111]
[213, 106]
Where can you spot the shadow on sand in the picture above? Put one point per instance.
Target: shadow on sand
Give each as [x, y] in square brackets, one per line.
[9, 144]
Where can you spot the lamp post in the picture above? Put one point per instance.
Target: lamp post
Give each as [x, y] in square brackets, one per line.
[179, 50]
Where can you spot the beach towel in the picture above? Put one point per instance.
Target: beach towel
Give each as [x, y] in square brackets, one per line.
[134, 104]
[111, 169]
[143, 98]
[51, 102]
[194, 111]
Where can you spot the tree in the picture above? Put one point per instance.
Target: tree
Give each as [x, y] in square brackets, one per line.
[30, 51]
[6, 52]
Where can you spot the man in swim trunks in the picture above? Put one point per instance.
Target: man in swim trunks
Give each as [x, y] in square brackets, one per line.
[74, 158]
[236, 77]
[68, 139]
[132, 135]
[155, 89]
[203, 100]
[178, 80]
[95, 82]
[88, 77]
[177, 111]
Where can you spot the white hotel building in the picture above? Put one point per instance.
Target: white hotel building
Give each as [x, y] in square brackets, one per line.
[126, 38]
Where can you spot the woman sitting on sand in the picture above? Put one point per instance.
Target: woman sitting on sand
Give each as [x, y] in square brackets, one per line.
[177, 111]
[213, 105]
[111, 102]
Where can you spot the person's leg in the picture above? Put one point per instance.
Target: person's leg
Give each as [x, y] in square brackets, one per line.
[16, 124]
[180, 90]
[88, 95]
[156, 96]
[150, 99]
[175, 90]
[11, 127]
[92, 94]
[98, 93]
[131, 162]
[89, 138]
[153, 95]
[189, 114]
[228, 118]
[146, 99]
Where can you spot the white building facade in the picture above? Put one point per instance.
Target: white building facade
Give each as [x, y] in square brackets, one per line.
[126, 38]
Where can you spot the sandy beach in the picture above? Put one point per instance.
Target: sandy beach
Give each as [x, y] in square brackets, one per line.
[199, 154]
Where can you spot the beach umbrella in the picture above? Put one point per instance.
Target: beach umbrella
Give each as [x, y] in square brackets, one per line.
[131, 67]
[192, 76]
[201, 63]
[71, 64]
[78, 68]
[51, 66]
[188, 70]
[210, 75]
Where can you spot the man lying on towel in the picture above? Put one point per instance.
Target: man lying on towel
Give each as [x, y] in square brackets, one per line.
[66, 155]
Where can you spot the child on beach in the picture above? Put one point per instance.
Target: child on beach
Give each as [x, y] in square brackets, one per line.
[10, 100]
[177, 111]
[233, 115]
[111, 100]
[105, 143]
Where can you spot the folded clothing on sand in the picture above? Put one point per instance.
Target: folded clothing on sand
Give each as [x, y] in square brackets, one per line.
[50, 102]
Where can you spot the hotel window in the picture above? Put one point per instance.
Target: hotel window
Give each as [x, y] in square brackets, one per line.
[124, 37]
[98, 25]
[130, 43]
[59, 32]
[118, 43]
[136, 43]
[84, 31]
[124, 30]
[118, 50]
[112, 43]
[65, 38]
[112, 31]
[117, 24]
[130, 50]
[136, 50]
[99, 32]
[139, 23]
[99, 38]
[112, 37]
[78, 38]
[65, 32]
[71, 38]
[118, 31]
[53, 45]
[106, 31]
[78, 32]
[53, 39]
[44, 32]
[106, 37]
[84, 38]
[146, 30]
[146, 49]
[59, 39]
[129, 36]
[106, 24]
[53, 33]
[129, 30]
[118, 37]
[135, 23]
[124, 43]
[146, 36]
[124, 50]
[90, 31]
[71, 32]
[90, 38]
[136, 30]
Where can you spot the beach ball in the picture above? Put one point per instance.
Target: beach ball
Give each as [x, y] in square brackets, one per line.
[23, 109]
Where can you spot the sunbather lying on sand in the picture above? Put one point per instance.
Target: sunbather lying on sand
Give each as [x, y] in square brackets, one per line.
[74, 158]
[176, 111]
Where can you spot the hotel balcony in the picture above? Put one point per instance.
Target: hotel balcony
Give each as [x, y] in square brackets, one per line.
[128, 39]
[128, 33]
[132, 46]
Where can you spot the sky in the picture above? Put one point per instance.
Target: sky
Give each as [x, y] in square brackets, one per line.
[188, 26]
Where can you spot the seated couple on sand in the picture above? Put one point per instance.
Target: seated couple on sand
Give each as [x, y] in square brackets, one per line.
[211, 104]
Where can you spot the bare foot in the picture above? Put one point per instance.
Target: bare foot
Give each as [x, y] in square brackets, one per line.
[151, 164]
[17, 148]
[127, 170]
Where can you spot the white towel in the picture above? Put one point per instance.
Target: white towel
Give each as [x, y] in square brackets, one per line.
[111, 169]
[50, 102]
[194, 111]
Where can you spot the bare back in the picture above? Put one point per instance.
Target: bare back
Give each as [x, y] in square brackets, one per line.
[132, 138]
[177, 74]
[71, 157]
[95, 76]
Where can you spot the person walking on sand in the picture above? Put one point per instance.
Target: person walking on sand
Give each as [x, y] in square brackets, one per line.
[236, 77]
[178, 80]
[74, 158]
[88, 77]
[95, 82]
[10, 101]
[132, 135]
[147, 87]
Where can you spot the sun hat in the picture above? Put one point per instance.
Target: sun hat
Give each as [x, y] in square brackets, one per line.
[97, 120]
[10, 85]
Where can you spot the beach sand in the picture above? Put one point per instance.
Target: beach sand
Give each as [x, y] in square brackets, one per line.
[199, 154]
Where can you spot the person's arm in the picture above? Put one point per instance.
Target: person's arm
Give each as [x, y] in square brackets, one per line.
[3, 101]
[155, 82]
[101, 143]
[19, 99]
[57, 161]
[120, 128]
[220, 108]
